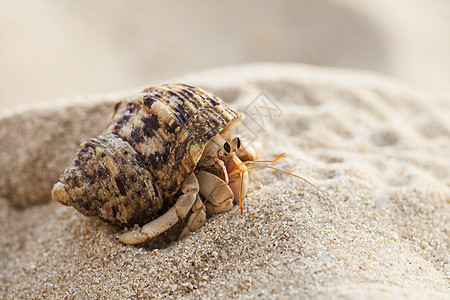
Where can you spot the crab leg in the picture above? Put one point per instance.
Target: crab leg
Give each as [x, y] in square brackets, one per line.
[179, 211]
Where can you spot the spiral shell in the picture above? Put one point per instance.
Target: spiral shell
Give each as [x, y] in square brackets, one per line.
[132, 172]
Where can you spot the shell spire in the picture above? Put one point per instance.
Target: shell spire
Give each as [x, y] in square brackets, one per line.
[108, 179]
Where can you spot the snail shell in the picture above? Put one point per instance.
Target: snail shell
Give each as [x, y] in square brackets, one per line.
[132, 172]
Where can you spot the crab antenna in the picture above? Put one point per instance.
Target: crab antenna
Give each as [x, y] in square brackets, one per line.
[262, 161]
[292, 174]
[241, 165]
[240, 193]
[242, 170]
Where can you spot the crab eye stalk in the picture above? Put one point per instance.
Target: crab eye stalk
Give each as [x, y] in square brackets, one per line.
[235, 144]
[227, 147]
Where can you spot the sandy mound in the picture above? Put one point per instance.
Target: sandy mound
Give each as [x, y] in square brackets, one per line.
[379, 149]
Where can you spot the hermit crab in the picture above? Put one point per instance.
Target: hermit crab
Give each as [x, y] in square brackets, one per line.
[166, 160]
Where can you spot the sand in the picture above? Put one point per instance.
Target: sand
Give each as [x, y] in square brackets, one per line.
[377, 147]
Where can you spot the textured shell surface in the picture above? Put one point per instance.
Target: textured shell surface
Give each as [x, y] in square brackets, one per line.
[132, 172]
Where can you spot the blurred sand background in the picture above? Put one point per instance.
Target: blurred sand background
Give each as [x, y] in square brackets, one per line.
[53, 49]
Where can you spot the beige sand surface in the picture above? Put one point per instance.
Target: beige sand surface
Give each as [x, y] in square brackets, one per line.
[378, 148]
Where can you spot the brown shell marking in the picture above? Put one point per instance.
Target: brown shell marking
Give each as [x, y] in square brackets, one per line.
[131, 173]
